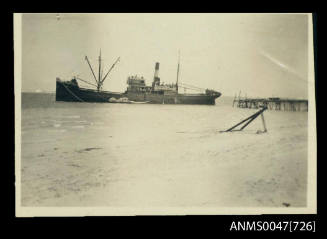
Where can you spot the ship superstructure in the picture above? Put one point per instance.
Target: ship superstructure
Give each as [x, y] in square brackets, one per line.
[160, 93]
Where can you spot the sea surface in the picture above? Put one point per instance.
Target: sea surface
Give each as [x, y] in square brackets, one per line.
[102, 154]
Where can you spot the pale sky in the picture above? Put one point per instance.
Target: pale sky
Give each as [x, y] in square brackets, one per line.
[262, 55]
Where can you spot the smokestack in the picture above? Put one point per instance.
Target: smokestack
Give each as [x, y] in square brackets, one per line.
[156, 79]
[156, 71]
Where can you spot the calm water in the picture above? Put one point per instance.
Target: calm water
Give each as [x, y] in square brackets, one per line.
[40, 112]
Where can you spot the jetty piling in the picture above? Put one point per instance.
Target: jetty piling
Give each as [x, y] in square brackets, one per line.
[273, 103]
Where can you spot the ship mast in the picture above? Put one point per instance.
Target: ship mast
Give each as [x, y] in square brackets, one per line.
[99, 79]
[177, 72]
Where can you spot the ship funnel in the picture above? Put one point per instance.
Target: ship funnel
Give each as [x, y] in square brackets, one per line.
[156, 78]
[156, 70]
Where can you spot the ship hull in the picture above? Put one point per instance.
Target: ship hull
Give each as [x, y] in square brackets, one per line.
[194, 99]
[73, 93]
[65, 91]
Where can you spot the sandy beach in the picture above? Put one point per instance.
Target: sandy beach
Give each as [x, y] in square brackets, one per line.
[161, 155]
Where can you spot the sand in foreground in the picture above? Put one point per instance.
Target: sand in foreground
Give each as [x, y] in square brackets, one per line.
[169, 165]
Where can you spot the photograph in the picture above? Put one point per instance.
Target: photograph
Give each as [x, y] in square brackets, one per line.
[164, 114]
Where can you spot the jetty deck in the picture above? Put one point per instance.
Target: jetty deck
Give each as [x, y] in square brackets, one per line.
[274, 103]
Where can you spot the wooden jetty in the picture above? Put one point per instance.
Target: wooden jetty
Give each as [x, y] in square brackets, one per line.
[273, 103]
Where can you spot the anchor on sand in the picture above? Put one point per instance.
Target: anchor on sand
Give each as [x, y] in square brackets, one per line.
[248, 120]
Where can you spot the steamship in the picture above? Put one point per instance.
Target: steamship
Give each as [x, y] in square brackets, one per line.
[137, 90]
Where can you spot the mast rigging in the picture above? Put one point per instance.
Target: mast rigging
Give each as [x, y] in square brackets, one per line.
[177, 72]
[78, 78]
[99, 79]
[87, 60]
[118, 59]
